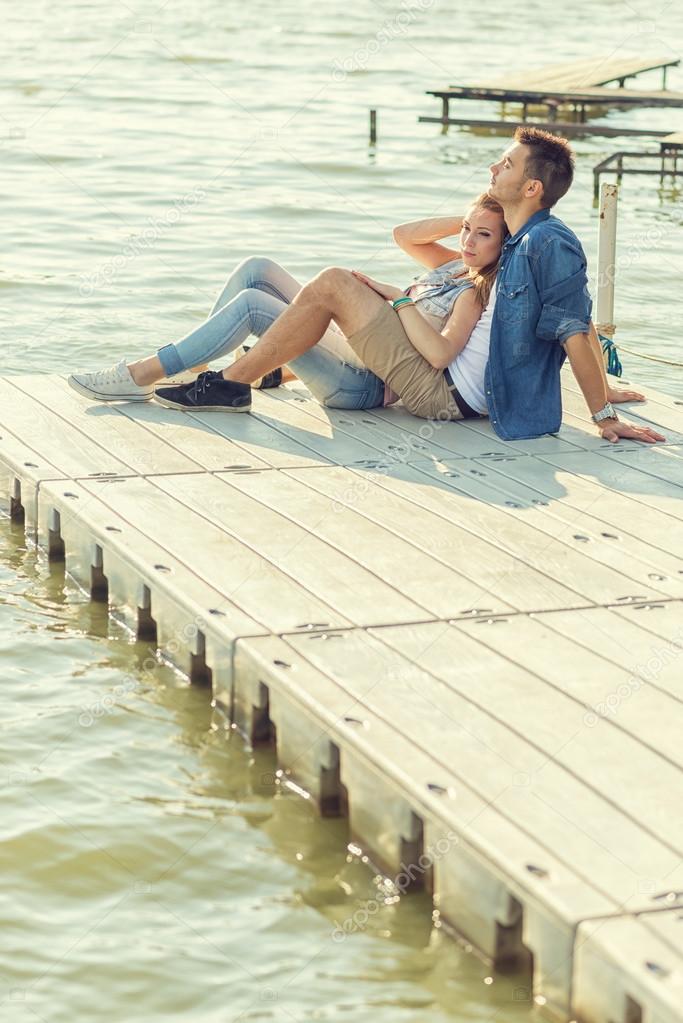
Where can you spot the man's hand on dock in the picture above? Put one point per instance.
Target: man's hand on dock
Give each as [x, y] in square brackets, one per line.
[616, 429]
[616, 395]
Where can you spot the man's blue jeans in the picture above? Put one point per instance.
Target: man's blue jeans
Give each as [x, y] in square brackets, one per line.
[255, 294]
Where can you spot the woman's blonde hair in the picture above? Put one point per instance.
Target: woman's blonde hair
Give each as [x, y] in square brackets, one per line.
[484, 276]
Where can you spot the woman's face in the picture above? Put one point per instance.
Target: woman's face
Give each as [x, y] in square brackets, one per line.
[481, 238]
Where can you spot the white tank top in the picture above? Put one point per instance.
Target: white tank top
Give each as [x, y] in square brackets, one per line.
[469, 366]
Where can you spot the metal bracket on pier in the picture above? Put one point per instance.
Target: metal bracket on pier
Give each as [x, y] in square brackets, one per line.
[99, 585]
[147, 626]
[55, 543]
[16, 508]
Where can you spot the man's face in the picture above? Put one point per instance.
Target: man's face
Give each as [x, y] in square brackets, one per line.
[508, 176]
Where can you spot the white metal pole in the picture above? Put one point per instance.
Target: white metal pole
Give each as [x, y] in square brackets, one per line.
[607, 256]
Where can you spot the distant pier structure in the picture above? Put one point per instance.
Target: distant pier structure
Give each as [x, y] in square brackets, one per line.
[561, 98]
[663, 164]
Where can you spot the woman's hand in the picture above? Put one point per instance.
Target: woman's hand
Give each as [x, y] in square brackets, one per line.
[388, 291]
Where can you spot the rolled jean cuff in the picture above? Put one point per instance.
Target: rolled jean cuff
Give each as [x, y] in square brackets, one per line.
[170, 360]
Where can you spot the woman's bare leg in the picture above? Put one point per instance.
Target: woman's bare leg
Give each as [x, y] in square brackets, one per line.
[334, 293]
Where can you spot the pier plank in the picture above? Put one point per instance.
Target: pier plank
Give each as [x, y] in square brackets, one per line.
[139, 450]
[610, 511]
[468, 499]
[653, 987]
[422, 679]
[378, 728]
[427, 580]
[71, 452]
[397, 433]
[22, 470]
[622, 637]
[264, 591]
[615, 541]
[658, 620]
[196, 440]
[496, 573]
[260, 436]
[324, 555]
[594, 71]
[672, 437]
[320, 434]
[620, 766]
[634, 473]
[662, 462]
[620, 693]
[468, 437]
[88, 517]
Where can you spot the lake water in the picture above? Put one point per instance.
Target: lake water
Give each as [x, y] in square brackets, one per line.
[152, 868]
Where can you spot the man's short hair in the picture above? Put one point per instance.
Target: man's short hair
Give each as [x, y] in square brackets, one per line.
[550, 160]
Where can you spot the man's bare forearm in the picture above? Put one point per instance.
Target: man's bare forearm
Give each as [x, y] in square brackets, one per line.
[597, 351]
[587, 370]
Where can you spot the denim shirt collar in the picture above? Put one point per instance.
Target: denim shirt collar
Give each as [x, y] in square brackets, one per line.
[535, 218]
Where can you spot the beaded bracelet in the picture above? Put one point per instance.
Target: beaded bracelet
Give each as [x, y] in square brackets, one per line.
[403, 300]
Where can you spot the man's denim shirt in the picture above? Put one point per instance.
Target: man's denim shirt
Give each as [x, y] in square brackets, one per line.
[541, 300]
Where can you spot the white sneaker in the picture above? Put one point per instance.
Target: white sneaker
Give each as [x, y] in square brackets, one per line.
[113, 384]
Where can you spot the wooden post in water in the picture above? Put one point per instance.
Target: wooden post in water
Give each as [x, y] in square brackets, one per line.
[607, 252]
[373, 127]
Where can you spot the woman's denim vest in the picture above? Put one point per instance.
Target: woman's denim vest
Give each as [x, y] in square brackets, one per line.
[443, 288]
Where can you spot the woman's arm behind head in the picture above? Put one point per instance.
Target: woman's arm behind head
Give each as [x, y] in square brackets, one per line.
[420, 240]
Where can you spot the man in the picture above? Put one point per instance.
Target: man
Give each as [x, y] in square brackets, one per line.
[543, 307]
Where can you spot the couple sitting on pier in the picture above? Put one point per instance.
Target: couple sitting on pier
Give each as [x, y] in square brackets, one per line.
[483, 332]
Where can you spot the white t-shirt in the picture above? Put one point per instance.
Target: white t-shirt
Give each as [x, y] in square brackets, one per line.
[469, 366]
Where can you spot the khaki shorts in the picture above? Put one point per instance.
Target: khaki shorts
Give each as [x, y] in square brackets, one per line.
[385, 348]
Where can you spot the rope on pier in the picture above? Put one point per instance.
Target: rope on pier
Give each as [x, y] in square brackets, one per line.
[652, 358]
[610, 349]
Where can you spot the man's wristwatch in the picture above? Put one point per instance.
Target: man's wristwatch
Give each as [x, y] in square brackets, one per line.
[606, 412]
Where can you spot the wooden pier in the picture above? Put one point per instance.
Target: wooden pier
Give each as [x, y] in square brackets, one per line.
[670, 152]
[473, 648]
[582, 88]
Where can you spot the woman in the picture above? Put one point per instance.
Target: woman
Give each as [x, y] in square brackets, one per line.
[450, 297]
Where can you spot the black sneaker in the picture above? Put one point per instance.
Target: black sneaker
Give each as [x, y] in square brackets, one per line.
[272, 379]
[210, 392]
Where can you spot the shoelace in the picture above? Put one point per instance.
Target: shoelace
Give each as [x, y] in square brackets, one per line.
[110, 375]
[201, 385]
